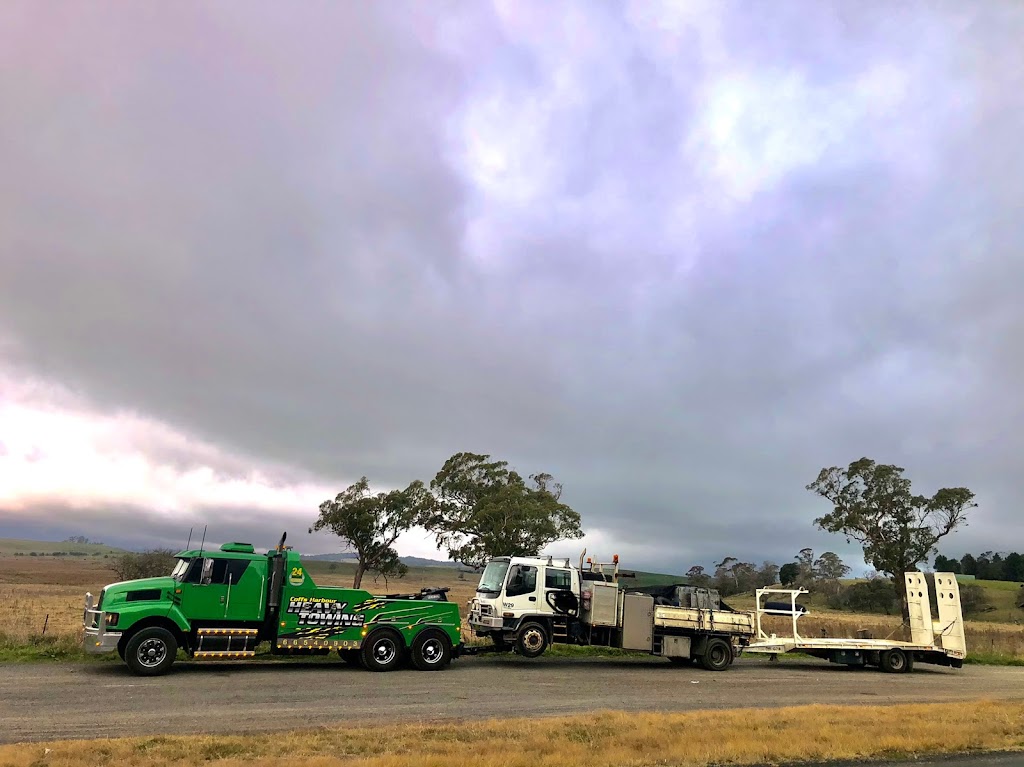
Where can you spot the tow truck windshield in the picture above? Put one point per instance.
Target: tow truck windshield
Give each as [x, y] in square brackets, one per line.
[179, 569]
[493, 578]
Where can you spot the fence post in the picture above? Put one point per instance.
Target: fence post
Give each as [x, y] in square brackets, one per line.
[45, 623]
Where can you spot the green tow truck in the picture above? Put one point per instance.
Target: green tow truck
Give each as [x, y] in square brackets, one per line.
[220, 605]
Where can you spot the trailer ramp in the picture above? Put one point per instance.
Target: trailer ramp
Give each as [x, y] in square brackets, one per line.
[939, 641]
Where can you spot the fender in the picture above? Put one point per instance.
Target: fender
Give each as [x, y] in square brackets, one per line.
[178, 617]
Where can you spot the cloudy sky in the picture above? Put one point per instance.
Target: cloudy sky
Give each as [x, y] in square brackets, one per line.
[680, 255]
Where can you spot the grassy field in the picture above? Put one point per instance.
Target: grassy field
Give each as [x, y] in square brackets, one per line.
[602, 739]
[49, 591]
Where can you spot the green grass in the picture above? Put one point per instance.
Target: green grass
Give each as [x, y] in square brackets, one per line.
[43, 647]
[992, 659]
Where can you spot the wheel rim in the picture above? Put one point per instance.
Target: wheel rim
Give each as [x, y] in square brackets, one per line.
[533, 639]
[384, 651]
[151, 652]
[896, 661]
[718, 655]
[432, 651]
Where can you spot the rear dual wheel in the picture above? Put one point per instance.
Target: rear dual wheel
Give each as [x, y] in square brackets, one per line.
[385, 650]
[431, 650]
[717, 655]
[896, 661]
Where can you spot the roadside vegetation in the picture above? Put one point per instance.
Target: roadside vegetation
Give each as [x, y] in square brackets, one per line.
[602, 739]
[48, 592]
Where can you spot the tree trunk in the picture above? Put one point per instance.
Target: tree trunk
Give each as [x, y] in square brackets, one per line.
[360, 569]
[900, 582]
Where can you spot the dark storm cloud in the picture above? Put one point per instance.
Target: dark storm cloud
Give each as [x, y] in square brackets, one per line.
[680, 270]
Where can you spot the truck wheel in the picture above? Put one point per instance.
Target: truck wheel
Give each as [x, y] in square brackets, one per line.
[431, 650]
[531, 640]
[717, 655]
[382, 650]
[894, 662]
[150, 651]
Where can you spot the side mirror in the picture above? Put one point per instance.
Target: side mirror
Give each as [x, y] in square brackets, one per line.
[207, 575]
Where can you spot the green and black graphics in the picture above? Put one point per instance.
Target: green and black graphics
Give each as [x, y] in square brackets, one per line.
[333, 618]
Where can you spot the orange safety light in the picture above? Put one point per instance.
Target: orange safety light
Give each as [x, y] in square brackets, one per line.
[615, 559]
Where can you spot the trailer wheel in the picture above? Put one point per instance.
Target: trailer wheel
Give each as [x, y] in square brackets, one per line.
[150, 651]
[382, 650]
[431, 650]
[717, 655]
[531, 640]
[895, 662]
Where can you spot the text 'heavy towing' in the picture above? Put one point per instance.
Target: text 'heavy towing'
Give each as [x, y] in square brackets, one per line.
[524, 604]
[220, 605]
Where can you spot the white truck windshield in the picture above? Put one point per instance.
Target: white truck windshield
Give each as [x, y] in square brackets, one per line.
[493, 578]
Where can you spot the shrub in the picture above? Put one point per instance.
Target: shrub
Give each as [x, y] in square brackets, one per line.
[147, 564]
[876, 595]
[972, 599]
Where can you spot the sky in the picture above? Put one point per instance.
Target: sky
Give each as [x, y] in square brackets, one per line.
[680, 255]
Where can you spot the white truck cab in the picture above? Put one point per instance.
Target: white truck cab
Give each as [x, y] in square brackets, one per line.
[514, 590]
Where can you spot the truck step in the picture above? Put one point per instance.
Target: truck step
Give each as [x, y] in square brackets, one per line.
[233, 632]
[224, 654]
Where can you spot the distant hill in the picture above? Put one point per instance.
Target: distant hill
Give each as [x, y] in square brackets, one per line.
[19, 546]
[347, 556]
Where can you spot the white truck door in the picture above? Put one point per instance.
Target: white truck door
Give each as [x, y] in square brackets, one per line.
[520, 595]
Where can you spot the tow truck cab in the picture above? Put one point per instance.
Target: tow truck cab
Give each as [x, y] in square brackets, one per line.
[222, 604]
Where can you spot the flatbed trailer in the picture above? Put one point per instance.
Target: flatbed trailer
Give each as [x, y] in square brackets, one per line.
[939, 642]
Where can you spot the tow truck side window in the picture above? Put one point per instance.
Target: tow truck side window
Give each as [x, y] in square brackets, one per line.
[218, 571]
[522, 579]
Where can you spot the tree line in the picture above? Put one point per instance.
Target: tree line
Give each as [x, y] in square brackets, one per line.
[987, 566]
[732, 576]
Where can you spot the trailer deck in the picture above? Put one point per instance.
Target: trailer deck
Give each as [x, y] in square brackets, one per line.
[939, 641]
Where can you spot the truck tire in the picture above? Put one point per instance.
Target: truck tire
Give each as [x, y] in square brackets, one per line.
[895, 661]
[531, 640]
[431, 650]
[150, 651]
[717, 655]
[383, 650]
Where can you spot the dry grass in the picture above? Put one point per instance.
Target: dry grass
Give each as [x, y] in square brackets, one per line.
[602, 739]
[32, 588]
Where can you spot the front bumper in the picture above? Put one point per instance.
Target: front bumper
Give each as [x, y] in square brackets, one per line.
[97, 639]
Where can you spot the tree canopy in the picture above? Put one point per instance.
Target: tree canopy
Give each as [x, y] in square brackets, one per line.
[873, 505]
[370, 524]
[482, 509]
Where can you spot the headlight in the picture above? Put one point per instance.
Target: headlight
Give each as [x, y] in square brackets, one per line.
[112, 618]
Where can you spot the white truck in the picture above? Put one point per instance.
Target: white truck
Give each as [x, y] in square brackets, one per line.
[524, 604]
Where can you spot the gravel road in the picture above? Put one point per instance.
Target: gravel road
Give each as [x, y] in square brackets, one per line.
[58, 701]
